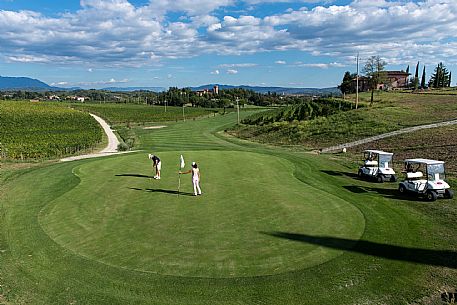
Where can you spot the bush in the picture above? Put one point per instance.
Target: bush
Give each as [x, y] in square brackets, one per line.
[123, 147]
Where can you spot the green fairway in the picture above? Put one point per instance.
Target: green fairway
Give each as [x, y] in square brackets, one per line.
[119, 216]
[272, 227]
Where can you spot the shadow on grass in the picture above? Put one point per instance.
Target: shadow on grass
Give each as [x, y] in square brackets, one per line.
[134, 175]
[172, 192]
[339, 173]
[440, 258]
[384, 192]
[356, 189]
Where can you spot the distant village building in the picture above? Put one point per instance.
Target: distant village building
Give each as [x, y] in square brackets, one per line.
[394, 80]
[206, 92]
[54, 98]
[81, 99]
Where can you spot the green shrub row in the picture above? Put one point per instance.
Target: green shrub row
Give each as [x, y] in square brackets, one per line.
[299, 112]
[134, 113]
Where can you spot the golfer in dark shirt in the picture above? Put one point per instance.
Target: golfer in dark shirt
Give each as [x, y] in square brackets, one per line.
[156, 164]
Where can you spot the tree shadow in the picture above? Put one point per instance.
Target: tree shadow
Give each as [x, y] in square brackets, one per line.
[340, 173]
[440, 258]
[355, 189]
[134, 175]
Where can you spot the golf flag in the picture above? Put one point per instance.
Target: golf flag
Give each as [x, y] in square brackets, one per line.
[182, 162]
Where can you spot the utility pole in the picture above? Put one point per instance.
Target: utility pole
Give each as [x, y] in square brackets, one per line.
[357, 84]
[238, 111]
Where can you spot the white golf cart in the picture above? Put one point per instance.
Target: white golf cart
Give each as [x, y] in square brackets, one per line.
[377, 165]
[425, 177]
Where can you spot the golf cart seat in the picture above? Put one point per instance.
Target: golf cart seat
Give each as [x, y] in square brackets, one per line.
[371, 163]
[421, 187]
[415, 175]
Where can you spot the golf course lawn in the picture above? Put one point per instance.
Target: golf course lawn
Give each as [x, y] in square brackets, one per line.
[272, 227]
[119, 216]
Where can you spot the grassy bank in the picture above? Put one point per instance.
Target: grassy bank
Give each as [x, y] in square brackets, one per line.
[272, 227]
[391, 111]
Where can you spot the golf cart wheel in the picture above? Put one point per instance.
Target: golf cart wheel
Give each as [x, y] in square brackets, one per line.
[393, 178]
[402, 189]
[360, 173]
[431, 195]
[380, 178]
[448, 194]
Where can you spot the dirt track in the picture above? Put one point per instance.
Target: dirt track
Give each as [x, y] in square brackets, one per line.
[109, 150]
[386, 135]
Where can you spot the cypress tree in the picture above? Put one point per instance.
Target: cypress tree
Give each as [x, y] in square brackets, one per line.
[416, 77]
[450, 77]
[423, 79]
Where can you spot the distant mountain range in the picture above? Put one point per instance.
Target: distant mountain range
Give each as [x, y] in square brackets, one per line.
[277, 90]
[22, 83]
[30, 84]
[129, 89]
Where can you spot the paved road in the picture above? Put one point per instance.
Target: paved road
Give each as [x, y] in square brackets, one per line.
[109, 150]
[386, 135]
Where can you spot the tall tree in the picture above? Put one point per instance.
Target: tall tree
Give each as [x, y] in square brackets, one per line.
[374, 70]
[423, 79]
[450, 79]
[440, 77]
[416, 77]
[407, 69]
[346, 85]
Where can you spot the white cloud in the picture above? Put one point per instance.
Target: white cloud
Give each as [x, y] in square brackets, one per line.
[215, 72]
[288, 1]
[232, 71]
[60, 84]
[27, 59]
[116, 33]
[320, 65]
[243, 65]
[191, 7]
[280, 62]
[111, 81]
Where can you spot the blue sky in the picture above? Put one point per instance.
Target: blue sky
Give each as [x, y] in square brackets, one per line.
[305, 43]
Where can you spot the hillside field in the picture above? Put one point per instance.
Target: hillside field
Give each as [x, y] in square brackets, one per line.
[273, 226]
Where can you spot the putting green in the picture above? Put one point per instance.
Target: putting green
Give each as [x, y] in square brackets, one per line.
[117, 215]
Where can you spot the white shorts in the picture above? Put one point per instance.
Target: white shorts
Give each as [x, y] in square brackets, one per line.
[159, 165]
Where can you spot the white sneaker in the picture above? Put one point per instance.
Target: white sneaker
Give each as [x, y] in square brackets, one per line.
[158, 178]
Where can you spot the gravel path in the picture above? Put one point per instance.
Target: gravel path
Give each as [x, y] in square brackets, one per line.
[109, 150]
[386, 135]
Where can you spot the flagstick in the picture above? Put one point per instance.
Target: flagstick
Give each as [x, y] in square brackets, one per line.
[181, 166]
[179, 183]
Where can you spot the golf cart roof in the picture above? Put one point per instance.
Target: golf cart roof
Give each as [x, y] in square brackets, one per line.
[424, 161]
[379, 152]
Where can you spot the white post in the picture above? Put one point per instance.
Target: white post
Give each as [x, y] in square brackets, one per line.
[357, 85]
[238, 111]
